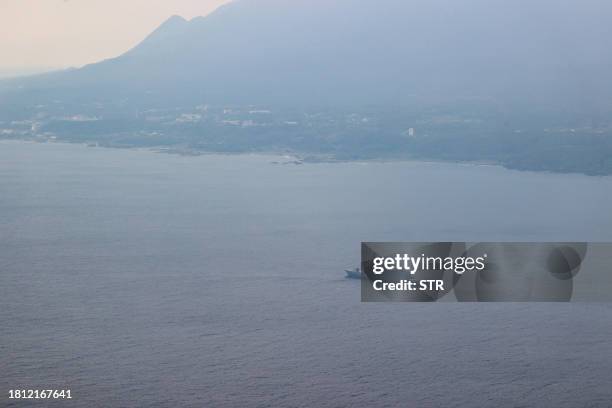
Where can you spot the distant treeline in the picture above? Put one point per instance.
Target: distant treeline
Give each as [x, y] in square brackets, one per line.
[465, 132]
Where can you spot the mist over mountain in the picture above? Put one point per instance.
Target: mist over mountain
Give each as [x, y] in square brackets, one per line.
[524, 84]
[356, 52]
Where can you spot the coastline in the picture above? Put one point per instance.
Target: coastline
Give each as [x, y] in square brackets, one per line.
[285, 157]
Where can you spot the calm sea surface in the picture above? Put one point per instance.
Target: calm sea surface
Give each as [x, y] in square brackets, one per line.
[142, 279]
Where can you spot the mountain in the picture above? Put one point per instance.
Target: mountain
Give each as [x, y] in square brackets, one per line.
[552, 53]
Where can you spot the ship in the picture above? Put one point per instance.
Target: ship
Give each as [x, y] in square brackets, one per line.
[353, 273]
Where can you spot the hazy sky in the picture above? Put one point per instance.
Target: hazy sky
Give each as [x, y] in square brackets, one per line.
[63, 33]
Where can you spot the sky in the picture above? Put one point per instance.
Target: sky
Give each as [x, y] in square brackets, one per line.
[37, 35]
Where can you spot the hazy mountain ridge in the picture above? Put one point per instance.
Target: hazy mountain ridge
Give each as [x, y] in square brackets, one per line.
[363, 52]
[527, 84]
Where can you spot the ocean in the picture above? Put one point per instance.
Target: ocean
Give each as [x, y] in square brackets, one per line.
[142, 279]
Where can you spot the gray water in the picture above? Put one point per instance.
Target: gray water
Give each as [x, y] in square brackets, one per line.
[136, 278]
